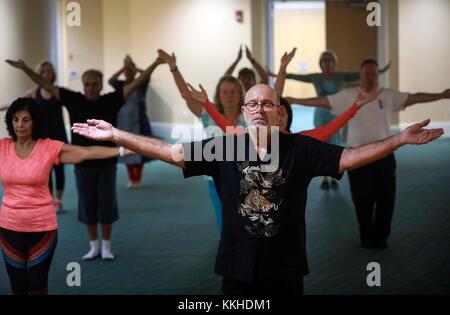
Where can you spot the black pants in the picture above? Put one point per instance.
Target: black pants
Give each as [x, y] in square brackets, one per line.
[28, 256]
[97, 198]
[373, 194]
[231, 286]
[60, 178]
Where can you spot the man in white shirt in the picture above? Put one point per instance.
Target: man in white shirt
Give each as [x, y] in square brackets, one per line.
[372, 186]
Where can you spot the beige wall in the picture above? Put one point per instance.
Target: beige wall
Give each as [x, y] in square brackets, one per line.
[82, 46]
[424, 55]
[202, 33]
[26, 33]
[304, 29]
[204, 36]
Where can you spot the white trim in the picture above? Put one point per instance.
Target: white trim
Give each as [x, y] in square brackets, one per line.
[436, 124]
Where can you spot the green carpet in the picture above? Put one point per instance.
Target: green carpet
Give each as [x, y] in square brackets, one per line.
[165, 241]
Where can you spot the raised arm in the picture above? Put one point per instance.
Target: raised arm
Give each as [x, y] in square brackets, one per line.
[194, 106]
[325, 132]
[115, 77]
[102, 131]
[415, 134]
[231, 68]
[20, 64]
[281, 77]
[314, 101]
[426, 97]
[224, 124]
[143, 77]
[263, 75]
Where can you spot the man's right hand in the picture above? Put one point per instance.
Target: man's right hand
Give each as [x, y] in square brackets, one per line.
[98, 130]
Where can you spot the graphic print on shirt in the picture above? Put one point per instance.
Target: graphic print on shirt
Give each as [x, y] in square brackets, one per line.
[259, 200]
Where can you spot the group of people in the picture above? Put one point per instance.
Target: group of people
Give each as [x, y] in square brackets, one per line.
[260, 213]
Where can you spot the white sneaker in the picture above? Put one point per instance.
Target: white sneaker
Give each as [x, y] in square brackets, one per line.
[107, 255]
[91, 255]
[94, 252]
[106, 250]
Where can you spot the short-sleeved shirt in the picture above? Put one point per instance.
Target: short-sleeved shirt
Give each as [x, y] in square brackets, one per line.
[106, 108]
[372, 122]
[263, 233]
[27, 204]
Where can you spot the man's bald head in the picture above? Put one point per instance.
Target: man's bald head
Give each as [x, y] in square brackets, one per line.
[262, 91]
[267, 108]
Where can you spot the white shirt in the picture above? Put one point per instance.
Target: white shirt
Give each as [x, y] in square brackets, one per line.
[373, 120]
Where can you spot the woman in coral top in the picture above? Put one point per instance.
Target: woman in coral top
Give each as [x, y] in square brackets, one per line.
[28, 226]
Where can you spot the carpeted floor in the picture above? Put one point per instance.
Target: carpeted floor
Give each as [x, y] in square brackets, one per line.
[165, 240]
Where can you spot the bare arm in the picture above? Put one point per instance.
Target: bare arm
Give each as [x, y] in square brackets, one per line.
[20, 64]
[415, 134]
[116, 76]
[143, 77]
[426, 97]
[102, 131]
[281, 77]
[314, 101]
[73, 154]
[231, 69]
[194, 106]
[263, 75]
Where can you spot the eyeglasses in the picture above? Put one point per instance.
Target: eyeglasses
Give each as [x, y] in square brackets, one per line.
[267, 106]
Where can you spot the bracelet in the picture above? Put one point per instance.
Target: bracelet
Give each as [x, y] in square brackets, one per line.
[121, 151]
[176, 68]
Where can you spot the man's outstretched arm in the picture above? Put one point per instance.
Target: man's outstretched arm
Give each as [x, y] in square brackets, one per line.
[102, 131]
[426, 97]
[415, 134]
[314, 101]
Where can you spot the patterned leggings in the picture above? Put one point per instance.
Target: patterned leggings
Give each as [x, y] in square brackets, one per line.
[28, 256]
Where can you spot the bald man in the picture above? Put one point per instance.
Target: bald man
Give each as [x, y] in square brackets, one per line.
[262, 248]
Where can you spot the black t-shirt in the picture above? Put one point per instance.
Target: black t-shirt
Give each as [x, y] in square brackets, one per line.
[106, 108]
[263, 213]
